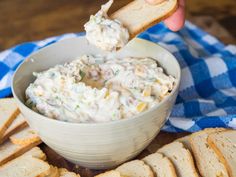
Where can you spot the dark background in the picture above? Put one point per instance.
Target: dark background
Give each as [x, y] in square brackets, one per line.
[27, 20]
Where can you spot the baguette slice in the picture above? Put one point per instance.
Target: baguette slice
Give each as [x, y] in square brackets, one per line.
[8, 112]
[9, 151]
[54, 172]
[135, 168]
[111, 173]
[224, 144]
[186, 141]
[36, 152]
[207, 161]
[181, 158]
[65, 173]
[24, 137]
[25, 166]
[138, 15]
[160, 165]
[17, 125]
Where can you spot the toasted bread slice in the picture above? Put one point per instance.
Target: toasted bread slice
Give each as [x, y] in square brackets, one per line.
[135, 168]
[37, 153]
[111, 173]
[181, 158]
[8, 112]
[9, 151]
[24, 137]
[224, 144]
[25, 166]
[160, 165]
[65, 173]
[207, 161]
[17, 125]
[186, 141]
[138, 15]
[54, 172]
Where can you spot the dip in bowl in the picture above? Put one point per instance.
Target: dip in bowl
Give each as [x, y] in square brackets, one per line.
[91, 144]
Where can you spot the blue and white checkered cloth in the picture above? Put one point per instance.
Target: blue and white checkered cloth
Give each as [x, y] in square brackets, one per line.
[207, 96]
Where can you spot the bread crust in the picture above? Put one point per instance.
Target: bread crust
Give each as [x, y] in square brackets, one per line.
[219, 154]
[194, 151]
[147, 25]
[19, 152]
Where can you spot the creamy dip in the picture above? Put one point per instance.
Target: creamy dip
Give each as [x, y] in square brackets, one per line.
[105, 33]
[97, 89]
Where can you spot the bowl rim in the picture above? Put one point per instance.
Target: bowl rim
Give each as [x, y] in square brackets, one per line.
[97, 124]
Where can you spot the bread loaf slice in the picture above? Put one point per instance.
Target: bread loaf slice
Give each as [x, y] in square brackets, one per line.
[224, 145]
[111, 173]
[65, 173]
[135, 168]
[17, 125]
[9, 151]
[207, 161]
[8, 112]
[186, 142]
[25, 166]
[160, 165]
[24, 137]
[54, 172]
[138, 15]
[37, 153]
[181, 158]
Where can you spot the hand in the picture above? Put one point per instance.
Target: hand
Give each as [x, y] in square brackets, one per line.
[176, 21]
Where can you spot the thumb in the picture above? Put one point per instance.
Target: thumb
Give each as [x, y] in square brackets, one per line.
[153, 2]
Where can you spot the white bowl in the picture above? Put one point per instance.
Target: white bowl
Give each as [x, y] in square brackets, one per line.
[95, 145]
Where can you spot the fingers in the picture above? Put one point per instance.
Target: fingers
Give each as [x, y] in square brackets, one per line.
[176, 21]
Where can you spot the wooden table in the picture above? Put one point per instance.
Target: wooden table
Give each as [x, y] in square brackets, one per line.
[27, 20]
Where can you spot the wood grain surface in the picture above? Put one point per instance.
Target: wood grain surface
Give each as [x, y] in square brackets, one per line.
[28, 20]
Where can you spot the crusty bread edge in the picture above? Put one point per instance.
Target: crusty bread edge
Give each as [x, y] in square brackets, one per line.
[194, 151]
[150, 24]
[8, 122]
[25, 141]
[191, 159]
[221, 157]
[19, 152]
[15, 130]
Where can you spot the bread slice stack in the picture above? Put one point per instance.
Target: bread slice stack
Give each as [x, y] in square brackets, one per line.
[19, 156]
[16, 137]
[33, 164]
[208, 153]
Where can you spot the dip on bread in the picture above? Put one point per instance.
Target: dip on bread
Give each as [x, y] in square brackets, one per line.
[98, 89]
[105, 33]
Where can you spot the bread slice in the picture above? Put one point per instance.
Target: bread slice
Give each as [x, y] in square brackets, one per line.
[9, 151]
[181, 158]
[207, 161]
[160, 165]
[8, 112]
[54, 172]
[17, 125]
[186, 141]
[37, 153]
[137, 16]
[111, 173]
[224, 144]
[65, 173]
[24, 137]
[25, 166]
[135, 168]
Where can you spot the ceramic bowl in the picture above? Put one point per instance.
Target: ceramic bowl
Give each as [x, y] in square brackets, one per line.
[95, 145]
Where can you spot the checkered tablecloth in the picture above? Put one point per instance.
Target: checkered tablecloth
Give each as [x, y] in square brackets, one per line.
[207, 96]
